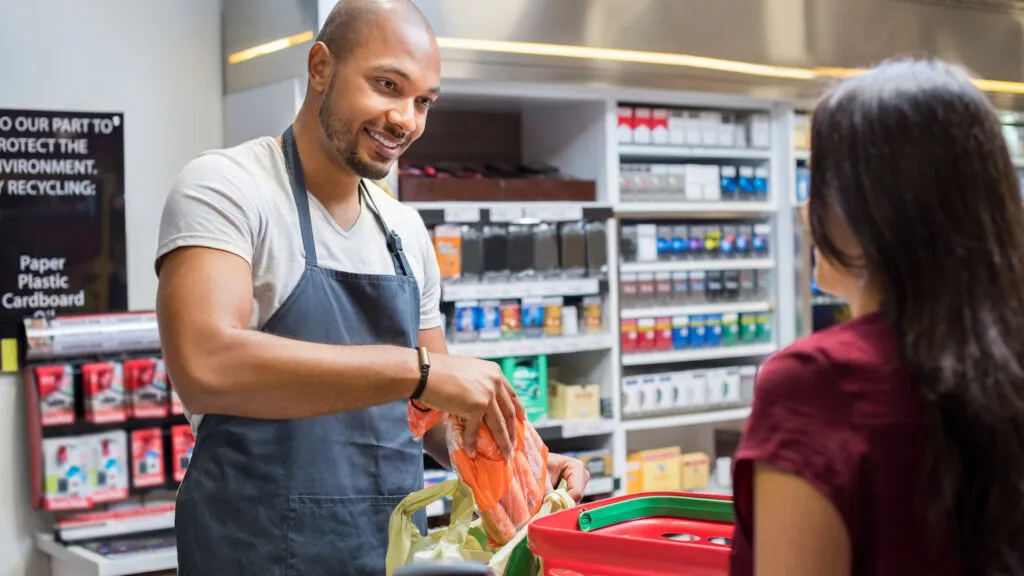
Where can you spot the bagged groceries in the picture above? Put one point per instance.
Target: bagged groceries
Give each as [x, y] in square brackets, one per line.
[508, 492]
[464, 538]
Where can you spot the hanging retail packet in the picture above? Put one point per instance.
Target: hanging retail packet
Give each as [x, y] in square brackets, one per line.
[508, 492]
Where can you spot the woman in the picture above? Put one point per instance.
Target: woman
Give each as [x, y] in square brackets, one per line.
[894, 444]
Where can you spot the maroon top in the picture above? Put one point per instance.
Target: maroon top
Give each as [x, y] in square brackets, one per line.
[837, 410]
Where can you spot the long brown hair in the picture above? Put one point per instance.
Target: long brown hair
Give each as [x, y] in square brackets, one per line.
[910, 156]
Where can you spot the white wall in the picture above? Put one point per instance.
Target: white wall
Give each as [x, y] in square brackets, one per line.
[159, 63]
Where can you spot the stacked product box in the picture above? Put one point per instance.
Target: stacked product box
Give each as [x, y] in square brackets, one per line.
[687, 391]
[683, 287]
[695, 331]
[671, 241]
[99, 453]
[694, 182]
[638, 124]
[551, 317]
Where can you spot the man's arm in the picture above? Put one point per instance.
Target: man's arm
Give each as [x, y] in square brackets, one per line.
[220, 366]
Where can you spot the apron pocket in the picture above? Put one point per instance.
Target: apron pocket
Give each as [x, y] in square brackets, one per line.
[331, 535]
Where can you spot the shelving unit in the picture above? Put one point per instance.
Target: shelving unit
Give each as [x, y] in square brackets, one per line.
[577, 129]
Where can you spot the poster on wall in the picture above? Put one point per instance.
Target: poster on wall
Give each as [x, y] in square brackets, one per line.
[62, 215]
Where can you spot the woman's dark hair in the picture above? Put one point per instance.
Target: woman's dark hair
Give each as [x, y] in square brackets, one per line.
[910, 157]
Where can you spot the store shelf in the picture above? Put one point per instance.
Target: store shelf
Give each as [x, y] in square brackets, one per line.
[485, 212]
[533, 346]
[692, 419]
[713, 308]
[630, 151]
[77, 561]
[525, 289]
[563, 429]
[706, 265]
[663, 208]
[679, 356]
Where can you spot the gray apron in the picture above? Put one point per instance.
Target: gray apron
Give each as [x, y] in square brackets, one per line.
[309, 496]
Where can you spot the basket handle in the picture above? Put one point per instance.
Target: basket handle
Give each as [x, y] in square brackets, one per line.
[706, 509]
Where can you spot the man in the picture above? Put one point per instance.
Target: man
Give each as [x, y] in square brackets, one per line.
[293, 296]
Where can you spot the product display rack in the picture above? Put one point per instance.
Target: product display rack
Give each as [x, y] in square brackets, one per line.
[107, 441]
[577, 130]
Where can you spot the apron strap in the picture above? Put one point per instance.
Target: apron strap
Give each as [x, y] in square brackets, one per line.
[298, 183]
[394, 241]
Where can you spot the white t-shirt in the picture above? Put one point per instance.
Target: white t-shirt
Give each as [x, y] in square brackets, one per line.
[240, 200]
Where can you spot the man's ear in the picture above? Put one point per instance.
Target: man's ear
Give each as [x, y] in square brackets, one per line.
[320, 66]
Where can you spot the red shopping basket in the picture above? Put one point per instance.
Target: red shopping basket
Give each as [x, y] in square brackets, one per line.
[649, 534]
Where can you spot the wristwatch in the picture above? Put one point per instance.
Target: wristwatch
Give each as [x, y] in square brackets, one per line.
[424, 357]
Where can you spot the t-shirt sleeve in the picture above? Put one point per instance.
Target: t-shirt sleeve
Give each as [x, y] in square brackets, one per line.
[800, 423]
[430, 294]
[210, 205]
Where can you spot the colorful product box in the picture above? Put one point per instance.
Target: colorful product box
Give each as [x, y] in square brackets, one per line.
[145, 382]
[148, 458]
[103, 386]
[56, 388]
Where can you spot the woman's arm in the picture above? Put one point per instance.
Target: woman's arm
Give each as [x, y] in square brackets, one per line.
[797, 531]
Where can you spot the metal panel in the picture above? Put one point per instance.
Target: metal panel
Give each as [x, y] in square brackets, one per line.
[985, 35]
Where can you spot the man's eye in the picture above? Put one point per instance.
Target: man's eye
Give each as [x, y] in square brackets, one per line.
[426, 102]
[387, 84]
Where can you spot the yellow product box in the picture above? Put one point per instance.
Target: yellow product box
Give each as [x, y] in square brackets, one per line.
[694, 470]
[653, 470]
[574, 401]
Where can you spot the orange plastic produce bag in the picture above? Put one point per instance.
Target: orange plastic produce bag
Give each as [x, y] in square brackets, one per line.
[508, 491]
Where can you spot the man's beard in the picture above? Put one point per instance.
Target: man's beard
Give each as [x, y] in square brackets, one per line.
[335, 128]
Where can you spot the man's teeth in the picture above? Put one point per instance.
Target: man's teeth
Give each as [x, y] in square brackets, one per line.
[382, 140]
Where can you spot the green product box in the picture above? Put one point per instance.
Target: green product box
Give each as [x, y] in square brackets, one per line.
[730, 329]
[764, 327]
[528, 376]
[748, 328]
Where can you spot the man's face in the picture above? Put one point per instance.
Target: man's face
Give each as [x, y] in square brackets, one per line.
[376, 103]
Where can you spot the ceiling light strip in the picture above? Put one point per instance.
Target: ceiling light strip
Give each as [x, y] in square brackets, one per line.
[616, 55]
[663, 58]
[270, 47]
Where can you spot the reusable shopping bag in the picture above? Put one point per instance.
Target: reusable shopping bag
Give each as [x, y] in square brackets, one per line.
[464, 538]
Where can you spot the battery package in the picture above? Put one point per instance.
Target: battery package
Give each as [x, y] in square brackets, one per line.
[148, 458]
[680, 242]
[664, 242]
[103, 390]
[728, 182]
[66, 471]
[110, 465]
[715, 287]
[448, 247]
[731, 285]
[472, 258]
[744, 240]
[145, 383]
[545, 250]
[521, 246]
[467, 320]
[760, 242]
[597, 248]
[712, 241]
[697, 251]
[628, 243]
[533, 317]
[490, 320]
[56, 388]
[511, 320]
[573, 248]
[182, 444]
[495, 254]
[728, 245]
[746, 183]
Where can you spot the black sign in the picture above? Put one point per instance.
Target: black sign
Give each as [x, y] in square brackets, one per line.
[62, 228]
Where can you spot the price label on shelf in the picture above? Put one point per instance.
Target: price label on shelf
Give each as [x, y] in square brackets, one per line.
[461, 214]
[506, 213]
[556, 213]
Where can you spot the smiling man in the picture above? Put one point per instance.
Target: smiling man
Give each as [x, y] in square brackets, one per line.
[299, 315]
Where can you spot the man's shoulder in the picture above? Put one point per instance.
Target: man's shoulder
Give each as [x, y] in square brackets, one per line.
[246, 160]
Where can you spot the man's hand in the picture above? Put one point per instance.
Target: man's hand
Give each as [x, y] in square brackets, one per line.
[572, 471]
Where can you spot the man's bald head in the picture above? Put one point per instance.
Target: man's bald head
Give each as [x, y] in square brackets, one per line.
[351, 21]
